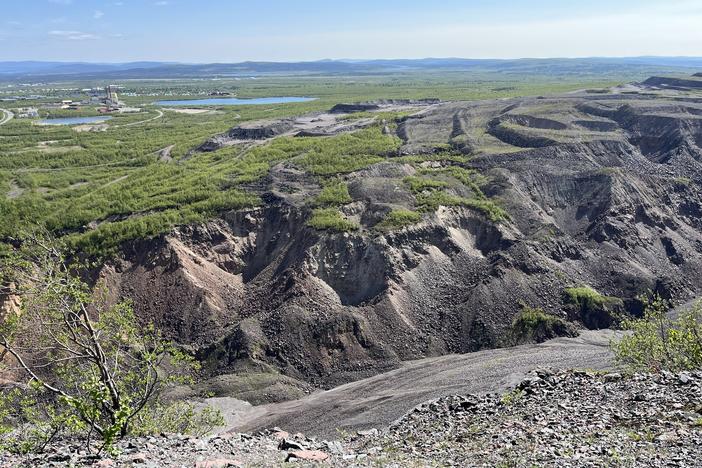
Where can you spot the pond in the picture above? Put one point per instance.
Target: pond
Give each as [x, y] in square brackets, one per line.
[235, 101]
[75, 120]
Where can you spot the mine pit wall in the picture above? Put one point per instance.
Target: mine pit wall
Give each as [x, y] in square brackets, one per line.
[260, 290]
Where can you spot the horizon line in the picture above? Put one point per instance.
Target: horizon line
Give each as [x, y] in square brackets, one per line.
[346, 60]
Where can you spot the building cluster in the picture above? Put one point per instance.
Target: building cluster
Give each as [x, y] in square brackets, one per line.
[107, 97]
[27, 113]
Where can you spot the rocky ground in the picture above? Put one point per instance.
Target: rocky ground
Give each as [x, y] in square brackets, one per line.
[552, 418]
[572, 418]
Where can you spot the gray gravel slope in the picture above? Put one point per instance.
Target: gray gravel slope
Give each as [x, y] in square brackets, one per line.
[380, 400]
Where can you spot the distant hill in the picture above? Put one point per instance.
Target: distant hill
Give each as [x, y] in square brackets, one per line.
[33, 70]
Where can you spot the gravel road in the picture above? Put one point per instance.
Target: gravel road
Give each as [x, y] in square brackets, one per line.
[378, 401]
[6, 116]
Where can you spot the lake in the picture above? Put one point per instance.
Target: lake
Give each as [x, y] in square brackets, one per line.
[75, 120]
[234, 101]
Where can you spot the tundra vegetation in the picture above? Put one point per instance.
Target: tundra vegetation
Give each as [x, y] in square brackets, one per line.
[98, 189]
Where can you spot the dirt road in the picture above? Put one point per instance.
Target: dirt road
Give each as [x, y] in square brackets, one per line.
[6, 116]
[378, 401]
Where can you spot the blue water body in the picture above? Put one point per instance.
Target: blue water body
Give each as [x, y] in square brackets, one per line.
[75, 120]
[234, 101]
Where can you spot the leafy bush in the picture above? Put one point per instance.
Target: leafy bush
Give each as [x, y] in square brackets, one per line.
[330, 219]
[334, 193]
[658, 342]
[535, 325]
[90, 369]
[399, 219]
[177, 418]
[592, 308]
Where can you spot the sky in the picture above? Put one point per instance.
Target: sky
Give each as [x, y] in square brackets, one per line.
[202, 31]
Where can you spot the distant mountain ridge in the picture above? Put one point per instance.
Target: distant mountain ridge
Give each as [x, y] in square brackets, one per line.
[33, 70]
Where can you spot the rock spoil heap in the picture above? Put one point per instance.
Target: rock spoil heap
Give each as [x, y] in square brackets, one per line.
[552, 418]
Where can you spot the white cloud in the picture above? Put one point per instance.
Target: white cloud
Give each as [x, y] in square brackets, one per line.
[98, 14]
[161, 3]
[73, 35]
[118, 4]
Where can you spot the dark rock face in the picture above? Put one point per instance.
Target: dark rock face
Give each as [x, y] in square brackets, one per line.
[352, 108]
[615, 203]
[260, 131]
[380, 104]
[675, 83]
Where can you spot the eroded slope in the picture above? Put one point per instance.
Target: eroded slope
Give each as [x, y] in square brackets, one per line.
[426, 232]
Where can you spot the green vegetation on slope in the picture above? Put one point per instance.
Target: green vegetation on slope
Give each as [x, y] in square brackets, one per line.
[101, 188]
[397, 219]
[658, 342]
[330, 219]
[535, 325]
[592, 308]
[333, 193]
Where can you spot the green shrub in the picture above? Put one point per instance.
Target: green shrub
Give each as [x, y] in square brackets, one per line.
[88, 367]
[178, 417]
[535, 325]
[399, 219]
[423, 184]
[657, 342]
[430, 202]
[330, 219]
[333, 193]
[592, 308]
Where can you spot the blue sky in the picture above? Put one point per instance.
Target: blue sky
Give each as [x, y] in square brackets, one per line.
[278, 30]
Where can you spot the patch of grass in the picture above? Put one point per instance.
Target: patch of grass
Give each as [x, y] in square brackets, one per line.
[333, 193]
[592, 308]
[397, 219]
[609, 170]
[330, 219]
[682, 181]
[512, 397]
[467, 177]
[585, 296]
[430, 202]
[443, 156]
[423, 184]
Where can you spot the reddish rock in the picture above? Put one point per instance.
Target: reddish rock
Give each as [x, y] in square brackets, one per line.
[308, 455]
[280, 435]
[106, 463]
